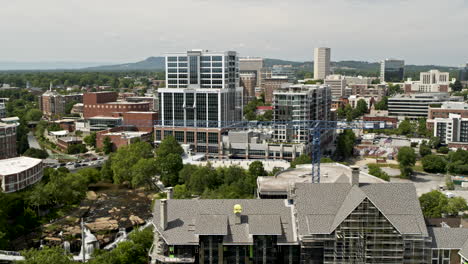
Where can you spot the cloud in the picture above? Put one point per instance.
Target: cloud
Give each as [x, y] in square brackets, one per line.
[420, 31]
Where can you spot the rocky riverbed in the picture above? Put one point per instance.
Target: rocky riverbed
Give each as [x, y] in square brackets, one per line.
[106, 209]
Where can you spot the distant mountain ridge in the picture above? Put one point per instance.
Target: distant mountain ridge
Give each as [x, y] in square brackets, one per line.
[157, 63]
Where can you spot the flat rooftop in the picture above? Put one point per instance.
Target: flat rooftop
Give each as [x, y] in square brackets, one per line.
[127, 134]
[329, 173]
[17, 165]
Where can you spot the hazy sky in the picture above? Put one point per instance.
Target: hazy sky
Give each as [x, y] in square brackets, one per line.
[419, 31]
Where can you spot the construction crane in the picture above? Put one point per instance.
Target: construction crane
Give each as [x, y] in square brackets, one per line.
[314, 127]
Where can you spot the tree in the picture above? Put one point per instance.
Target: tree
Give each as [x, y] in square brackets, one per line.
[143, 173]
[424, 150]
[434, 163]
[256, 169]
[456, 86]
[378, 172]
[90, 139]
[434, 142]
[76, 149]
[422, 129]
[54, 255]
[169, 167]
[169, 145]
[394, 89]
[433, 204]
[443, 150]
[36, 153]
[456, 205]
[382, 104]
[124, 160]
[302, 159]
[406, 159]
[405, 128]
[33, 115]
[69, 106]
[345, 144]
[361, 107]
[107, 145]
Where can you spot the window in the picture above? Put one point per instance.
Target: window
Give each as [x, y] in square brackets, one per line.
[183, 58]
[205, 58]
[158, 134]
[190, 137]
[171, 58]
[217, 58]
[201, 137]
[167, 133]
[212, 138]
[179, 136]
[193, 70]
[217, 64]
[183, 64]
[172, 64]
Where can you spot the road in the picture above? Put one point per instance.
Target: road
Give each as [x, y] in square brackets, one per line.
[33, 143]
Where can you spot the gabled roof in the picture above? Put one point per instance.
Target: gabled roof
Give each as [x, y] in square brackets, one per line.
[323, 207]
[449, 238]
[190, 219]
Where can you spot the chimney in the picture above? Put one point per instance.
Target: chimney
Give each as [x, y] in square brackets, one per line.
[354, 175]
[163, 214]
[170, 193]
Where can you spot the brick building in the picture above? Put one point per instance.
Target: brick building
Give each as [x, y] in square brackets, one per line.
[121, 136]
[443, 110]
[19, 173]
[381, 116]
[65, 142]
[270, 85]
[54, 104]
[106, 104]
[143, 121]
[7, 140]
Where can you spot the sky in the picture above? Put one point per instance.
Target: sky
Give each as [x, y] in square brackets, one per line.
[119, 31]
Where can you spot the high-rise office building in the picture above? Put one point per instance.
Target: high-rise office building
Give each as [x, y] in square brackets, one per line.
[203, 97]
[337, 84]
[252, 65]
[7, 140]
[321, 63]
[248, 81]
[300, 103]
[392, 70]
[463, 74]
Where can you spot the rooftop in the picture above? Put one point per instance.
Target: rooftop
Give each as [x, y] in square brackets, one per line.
[187, 219]
[329, 173]
[126, 134]
[17, 165]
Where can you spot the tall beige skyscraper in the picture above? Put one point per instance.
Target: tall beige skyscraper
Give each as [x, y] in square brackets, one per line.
[321, 63]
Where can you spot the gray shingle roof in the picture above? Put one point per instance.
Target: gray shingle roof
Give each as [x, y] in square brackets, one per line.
[319, 204]
[187, 219]
[265, 225]
[449, 238]
[211, 225]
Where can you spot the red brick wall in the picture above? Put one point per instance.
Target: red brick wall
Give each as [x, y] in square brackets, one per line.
[99, 98]
[444, 113]
[113, 109]
[142, 121]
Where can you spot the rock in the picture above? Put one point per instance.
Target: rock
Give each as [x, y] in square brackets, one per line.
[136, 220]
[90, 195]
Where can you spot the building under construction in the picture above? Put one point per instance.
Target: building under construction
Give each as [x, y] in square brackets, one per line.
[318, 223]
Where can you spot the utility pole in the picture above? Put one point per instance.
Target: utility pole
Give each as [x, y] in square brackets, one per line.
[83, 241]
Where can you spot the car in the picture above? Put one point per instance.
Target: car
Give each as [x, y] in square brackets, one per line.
[100, 158]
[86, 160]
[77, 165]
[70, 163]
[62, 164]
[94, 158]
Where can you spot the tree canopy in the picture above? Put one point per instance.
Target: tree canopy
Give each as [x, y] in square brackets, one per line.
[406, 159]
[435, 203]
[434, 163]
